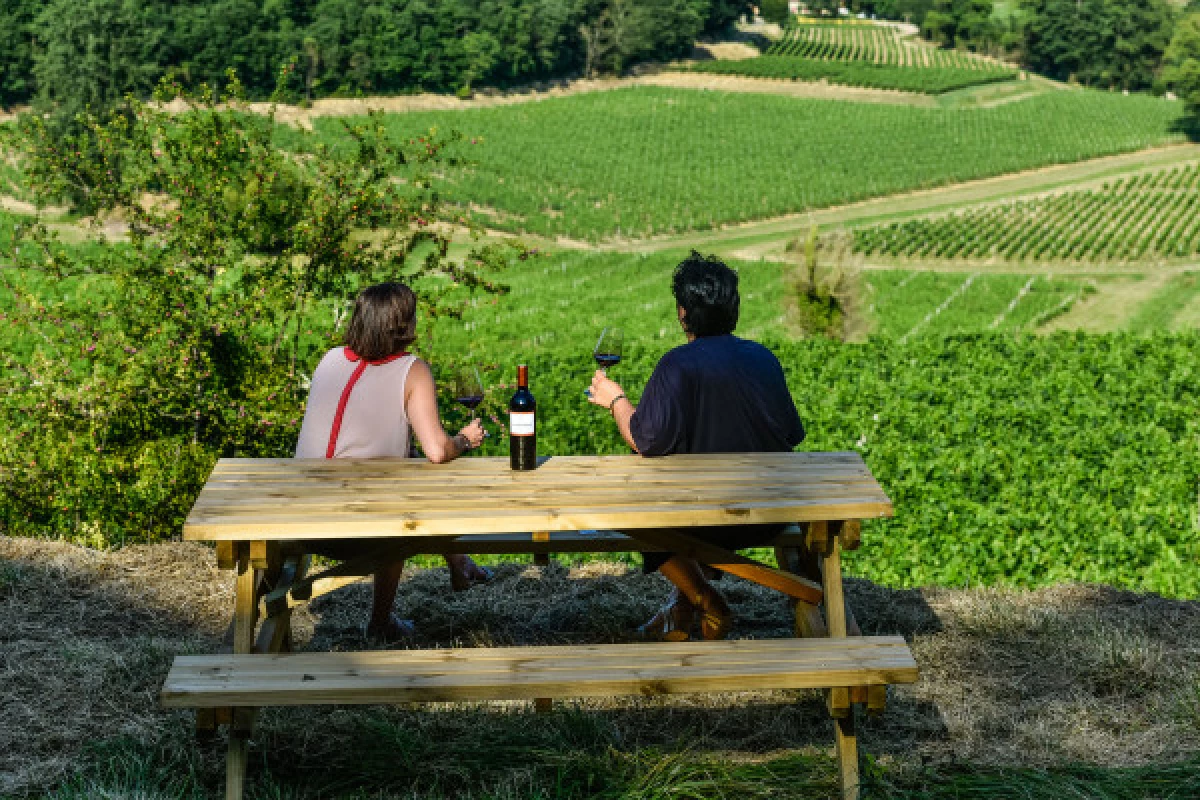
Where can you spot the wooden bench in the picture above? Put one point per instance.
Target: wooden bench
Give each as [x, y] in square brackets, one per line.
[246, 682]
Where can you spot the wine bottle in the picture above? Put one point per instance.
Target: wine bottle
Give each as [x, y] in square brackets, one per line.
[522, 424]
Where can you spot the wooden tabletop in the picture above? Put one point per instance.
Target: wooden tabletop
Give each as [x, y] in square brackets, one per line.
[296, 499]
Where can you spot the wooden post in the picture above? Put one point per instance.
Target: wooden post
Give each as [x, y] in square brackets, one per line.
[244, 617]
[847, 755]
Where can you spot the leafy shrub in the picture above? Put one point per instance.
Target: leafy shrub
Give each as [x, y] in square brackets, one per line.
[137, 364]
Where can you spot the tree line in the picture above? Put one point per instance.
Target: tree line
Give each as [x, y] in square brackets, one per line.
[80, 52]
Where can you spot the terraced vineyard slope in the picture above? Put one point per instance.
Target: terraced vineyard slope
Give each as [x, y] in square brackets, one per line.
[858, 54]
[1152, 216]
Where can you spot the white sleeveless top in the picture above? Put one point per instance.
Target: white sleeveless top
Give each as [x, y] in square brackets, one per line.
[374, 423]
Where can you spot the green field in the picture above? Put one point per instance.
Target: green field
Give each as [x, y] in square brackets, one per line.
[926, 80]
[645, 161]
[1152, 216]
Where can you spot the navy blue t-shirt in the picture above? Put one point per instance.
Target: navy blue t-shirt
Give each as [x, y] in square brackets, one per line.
[717, 394]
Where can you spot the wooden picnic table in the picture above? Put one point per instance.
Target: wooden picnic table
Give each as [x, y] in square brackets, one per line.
[266, 514]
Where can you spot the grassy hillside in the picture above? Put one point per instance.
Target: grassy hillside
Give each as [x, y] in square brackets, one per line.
[645, 161]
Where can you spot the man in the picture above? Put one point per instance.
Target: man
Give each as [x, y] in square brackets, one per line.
[715, 394]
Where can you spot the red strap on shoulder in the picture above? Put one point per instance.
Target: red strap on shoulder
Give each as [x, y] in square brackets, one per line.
[345, 398]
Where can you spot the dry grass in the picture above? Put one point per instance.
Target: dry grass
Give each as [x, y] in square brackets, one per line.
[1067, 675]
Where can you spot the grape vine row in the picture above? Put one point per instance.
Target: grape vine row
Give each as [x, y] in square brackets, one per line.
[1151, 216]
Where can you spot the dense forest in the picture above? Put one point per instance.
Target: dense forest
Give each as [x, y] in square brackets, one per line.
[94, 51]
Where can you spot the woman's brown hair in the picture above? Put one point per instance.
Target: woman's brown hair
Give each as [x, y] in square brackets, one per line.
[384, 321]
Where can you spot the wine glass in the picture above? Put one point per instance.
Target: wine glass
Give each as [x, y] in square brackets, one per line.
[608, 348]
[468, 389]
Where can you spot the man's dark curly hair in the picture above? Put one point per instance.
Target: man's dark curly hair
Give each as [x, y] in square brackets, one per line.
[707, 291]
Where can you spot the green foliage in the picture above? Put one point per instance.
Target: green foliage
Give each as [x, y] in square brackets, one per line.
[927, 80]
[81, 52]
[775, 11]
[1182, 72]
[608, 163]
[137, 364]
[1152, 216]
[16, 50]
[1106, 43]
[1022, 461]
[824, 286]
[961, 23]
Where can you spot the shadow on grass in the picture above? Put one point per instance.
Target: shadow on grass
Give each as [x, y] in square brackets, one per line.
[1068, 675]
[123, 768]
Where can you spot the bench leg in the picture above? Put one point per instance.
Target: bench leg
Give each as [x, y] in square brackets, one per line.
[245, 616]
[847, 755]
[235, 764]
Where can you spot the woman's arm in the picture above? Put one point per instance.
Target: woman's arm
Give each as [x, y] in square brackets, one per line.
[420, 403]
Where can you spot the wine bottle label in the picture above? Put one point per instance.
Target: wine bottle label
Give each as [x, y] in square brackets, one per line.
[521, 423]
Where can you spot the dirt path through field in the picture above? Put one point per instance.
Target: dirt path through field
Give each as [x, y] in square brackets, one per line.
[1111, 306]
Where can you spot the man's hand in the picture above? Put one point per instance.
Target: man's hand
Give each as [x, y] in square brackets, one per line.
[603, 390]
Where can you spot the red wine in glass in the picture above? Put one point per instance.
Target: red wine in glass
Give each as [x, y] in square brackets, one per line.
[606, 360]
[468, 388]
[608, 348]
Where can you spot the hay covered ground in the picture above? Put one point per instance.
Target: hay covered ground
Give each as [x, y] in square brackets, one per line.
[1071, 691]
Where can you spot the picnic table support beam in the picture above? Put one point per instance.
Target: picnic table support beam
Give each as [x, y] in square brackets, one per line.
[304, 590]
[678, 542]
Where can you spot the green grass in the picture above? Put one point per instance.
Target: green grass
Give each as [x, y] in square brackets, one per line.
[647, 160]
[1158, 313]
[908, 303]
[569, 755]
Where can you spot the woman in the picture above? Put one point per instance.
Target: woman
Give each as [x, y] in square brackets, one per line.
[365, 401]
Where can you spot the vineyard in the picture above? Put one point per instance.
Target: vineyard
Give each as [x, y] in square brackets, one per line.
[926, 80]
[876, 44]
[1152, 216]
[1010, 459]
[865, 55]
[644, 161]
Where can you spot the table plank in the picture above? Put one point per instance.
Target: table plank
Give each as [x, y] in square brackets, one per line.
[297, 499]
[574, 671]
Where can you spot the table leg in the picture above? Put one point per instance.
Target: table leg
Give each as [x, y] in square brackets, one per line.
[841, 707]
[274, 635]
[245, 615]
[846, 742]
[805, 562]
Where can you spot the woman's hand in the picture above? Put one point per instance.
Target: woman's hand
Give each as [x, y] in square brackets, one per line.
[473, 433]
[604, 389]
